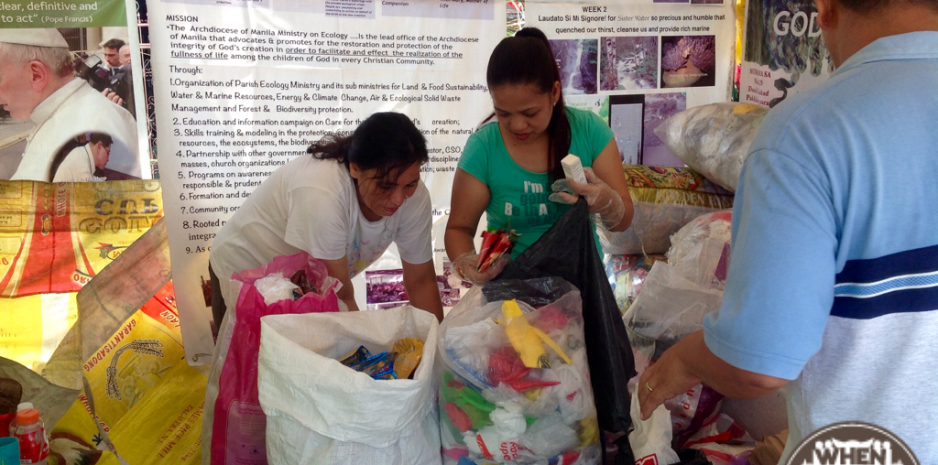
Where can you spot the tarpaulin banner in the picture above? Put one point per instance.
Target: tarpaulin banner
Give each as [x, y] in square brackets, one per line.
[90, 124]
[244, 87]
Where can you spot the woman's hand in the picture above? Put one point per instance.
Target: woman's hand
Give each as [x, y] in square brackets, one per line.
[601, 198]
[466, 266]
[470, 197]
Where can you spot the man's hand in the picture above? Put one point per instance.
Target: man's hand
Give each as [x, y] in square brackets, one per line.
[669, 377]
[112, 96]
[690, 362]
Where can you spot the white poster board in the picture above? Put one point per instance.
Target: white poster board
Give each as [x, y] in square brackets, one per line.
[783, 51]
[637, 62]
[242, 87]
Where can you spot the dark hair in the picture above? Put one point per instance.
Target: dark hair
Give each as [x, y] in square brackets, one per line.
[385, 142]
[114, 43]
[526, 58]
[101, 137]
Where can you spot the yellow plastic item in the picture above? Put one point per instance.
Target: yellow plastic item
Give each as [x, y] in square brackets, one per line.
[588, 431]
[409, 351]
[553, 345]
[523, 336]
[532, 394]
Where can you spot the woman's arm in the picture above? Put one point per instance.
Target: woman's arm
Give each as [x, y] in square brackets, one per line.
[469, 199]
[338, 269]
[608, 167]
[422, 288]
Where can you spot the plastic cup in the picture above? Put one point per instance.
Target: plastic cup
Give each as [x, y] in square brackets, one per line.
[9, 451]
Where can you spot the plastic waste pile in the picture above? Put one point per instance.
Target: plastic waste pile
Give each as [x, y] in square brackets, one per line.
[515, 385]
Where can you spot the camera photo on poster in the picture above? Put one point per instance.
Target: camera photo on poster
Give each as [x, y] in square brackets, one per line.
[68, 97]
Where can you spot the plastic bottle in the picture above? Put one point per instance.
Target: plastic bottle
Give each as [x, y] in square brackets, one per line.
[21, 406]
[34, 445]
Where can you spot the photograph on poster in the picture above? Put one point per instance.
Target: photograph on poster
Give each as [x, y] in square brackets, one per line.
[626, 120]
[385, 289]
[576, 59]
[659, 107]
[671, 1]
[451, 287]
[688, 61]
[629, 63]
[75, 121]
[706, 2]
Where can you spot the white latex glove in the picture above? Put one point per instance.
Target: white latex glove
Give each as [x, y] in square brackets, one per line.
[466, 267]
[601, 199]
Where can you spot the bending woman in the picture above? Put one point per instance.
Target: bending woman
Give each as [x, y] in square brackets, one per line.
[344, 204]
[508, 169]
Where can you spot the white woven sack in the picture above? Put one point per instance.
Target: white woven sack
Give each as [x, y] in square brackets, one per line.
[322, 412]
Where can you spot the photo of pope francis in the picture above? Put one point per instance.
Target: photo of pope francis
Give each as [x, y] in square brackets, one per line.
[38, 84]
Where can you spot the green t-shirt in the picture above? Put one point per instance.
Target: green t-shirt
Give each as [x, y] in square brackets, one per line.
[519, 194]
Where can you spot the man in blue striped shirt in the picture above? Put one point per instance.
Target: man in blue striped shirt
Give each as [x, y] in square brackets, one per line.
[833, 284]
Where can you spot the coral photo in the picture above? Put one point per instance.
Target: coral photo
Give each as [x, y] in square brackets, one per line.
[576, 59]
[629, 63]
[688, 61]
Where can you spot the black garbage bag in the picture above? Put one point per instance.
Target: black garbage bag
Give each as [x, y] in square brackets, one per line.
[567, 250]
[536, 292]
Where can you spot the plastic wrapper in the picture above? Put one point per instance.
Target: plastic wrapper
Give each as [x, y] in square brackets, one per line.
[233, 426]
[567, 250]
[723, 441]
[515, 384]
[408, 353]
[664, 200]
[651, 438]
[713, 139]
[675, 298]
[275, 288]
[692, 410]
[677, 295]
[626, 275]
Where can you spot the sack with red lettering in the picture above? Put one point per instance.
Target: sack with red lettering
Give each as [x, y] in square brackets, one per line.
[234, 424]
[651, 439]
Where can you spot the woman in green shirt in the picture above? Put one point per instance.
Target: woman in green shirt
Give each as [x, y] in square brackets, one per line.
[509, 169]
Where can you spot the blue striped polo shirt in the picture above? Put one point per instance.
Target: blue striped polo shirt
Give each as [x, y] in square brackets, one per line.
[833, 281]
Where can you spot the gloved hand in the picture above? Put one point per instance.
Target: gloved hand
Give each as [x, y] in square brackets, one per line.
[466, 267]
[601, 199]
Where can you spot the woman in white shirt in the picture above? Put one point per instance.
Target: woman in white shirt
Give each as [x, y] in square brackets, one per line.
[344, 204]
